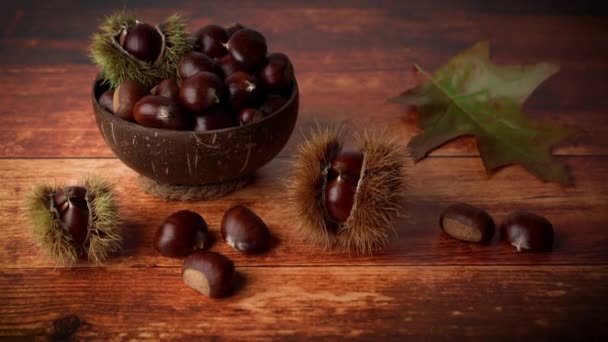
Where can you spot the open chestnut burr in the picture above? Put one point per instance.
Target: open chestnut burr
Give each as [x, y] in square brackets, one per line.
[344, 198]
[127, 48]
[70, 222]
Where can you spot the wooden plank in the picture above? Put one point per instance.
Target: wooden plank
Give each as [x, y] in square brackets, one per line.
[378, 50]
[48, 113]
[579, 214]
[370, 303]
[390, 33]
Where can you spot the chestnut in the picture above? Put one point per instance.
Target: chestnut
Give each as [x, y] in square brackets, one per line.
[245, 231]
[249, 115]
[248, 47]
[234, 28]
[210, 40]
[272, 104]
[465, 222]
[214, 118]
[341, 183]
[71, 204]
[180, 234]
[244, 90]
[76, 195]
[278, 74]
[159, 112]
[347, 164]
[527, 232]
[194, 62]
[201, 91]
[339, 199]
[106, 100]
[126, 96]
[228, 65]
[209, 273]
[143, 41]
[167, 88]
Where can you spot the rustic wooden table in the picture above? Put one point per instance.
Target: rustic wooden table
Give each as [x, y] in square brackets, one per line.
[349, 57]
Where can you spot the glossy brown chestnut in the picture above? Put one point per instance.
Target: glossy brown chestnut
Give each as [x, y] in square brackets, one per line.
[160, 112]
[167, 88]
[201, 91]
[73, 210]
[180, 234]
[144, 42]
[214, 118]
[339, 199]
[234, 28]
[527, 232]
[210, 40]
[249, 115]
[228, 65]
[106, 100]
[347, 163]
[272, 104]
[209, 273]
[244, 90]
[248, 47]
[278, 74]
[194, 62]
[467, 223]
[126, 96]
[76, 195]
[245, 231]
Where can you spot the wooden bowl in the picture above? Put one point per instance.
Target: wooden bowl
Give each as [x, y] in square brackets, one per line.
[196, 158]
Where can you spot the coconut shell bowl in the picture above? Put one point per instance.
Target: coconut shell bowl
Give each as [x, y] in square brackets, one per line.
[196, 165]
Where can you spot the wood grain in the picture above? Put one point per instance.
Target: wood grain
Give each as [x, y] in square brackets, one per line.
[324, 35]
[349, 55]
[64, 125]
[371, 303]
[578, 214]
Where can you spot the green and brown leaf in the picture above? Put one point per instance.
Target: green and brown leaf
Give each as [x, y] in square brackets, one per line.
[471, 96]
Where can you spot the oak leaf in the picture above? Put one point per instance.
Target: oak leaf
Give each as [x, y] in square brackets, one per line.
[472, 96]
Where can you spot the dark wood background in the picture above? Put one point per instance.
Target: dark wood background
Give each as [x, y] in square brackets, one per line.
[349, 57]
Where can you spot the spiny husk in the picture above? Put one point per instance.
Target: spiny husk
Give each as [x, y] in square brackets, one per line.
[104, 231]
[306, 184]
[379, 201]
[47, 228]
[380, 197]
[117, 65]
[103, 237]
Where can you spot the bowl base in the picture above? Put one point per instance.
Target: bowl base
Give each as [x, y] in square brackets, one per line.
[177, 192]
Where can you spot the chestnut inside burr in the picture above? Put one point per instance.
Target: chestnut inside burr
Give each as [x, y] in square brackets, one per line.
[340, 187]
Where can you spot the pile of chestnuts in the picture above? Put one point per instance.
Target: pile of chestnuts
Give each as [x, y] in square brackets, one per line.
[186, 234]
[526, 231]
[228, 79]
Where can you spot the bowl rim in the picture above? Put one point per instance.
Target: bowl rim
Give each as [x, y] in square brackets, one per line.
[98, 80]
